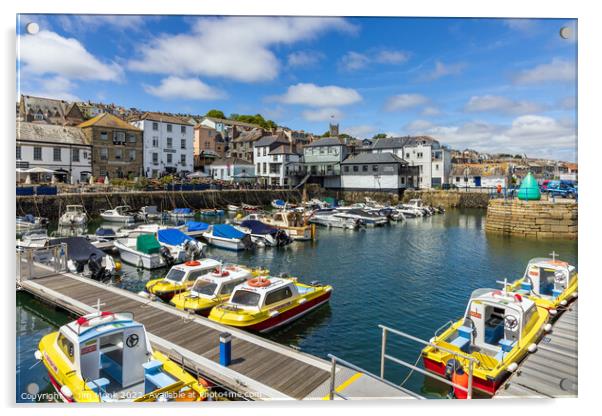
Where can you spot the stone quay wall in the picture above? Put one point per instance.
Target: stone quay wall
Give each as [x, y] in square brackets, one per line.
[449, 199]
[534, 219]
[52, 206]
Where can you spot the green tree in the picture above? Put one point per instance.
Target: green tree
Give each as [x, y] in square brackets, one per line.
[379, 136]
[215, 114]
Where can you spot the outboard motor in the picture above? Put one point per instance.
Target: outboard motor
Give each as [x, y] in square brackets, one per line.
[97, 270]
[192, 250]
[282, 238]
[166, 255]
[248, 243]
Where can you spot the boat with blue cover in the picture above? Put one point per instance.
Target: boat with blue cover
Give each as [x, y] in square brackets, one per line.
[212, 212]
[30, 222]
[279, 204]
[181, 213]
[182, 246]
[227, 237]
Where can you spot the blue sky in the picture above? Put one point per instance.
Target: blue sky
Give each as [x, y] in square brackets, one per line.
[497, 85]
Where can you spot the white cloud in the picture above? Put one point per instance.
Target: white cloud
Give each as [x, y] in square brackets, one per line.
[185, 88]
[317, 96]
[48, 53]
[495, 103]
[322, 114]
[403, 102]
[442, 70]
[418, 126]
[93, 22]
[353, 61]
[362, 131]
[231, 47]
[557, 70]
[392, 57]
[304, 58]
[431, 111]
[54, 87]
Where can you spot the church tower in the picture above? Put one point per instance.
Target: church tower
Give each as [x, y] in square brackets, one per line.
[334, 129]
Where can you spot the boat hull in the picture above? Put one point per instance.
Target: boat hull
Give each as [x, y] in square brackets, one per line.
[120, 219]
[227, 244]
[486, 386]
[146, 261]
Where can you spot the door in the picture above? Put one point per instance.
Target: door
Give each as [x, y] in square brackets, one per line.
[134, 355]
[477, 181]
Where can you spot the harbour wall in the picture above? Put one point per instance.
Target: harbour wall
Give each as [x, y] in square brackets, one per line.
[534, 219]
[51, 206]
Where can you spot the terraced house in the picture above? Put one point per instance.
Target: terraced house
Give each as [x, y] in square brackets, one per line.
[117, 146]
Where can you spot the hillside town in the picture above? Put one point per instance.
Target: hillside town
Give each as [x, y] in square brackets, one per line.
[83, 142]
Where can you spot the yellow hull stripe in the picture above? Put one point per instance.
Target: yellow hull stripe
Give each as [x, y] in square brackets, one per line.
[344, 385]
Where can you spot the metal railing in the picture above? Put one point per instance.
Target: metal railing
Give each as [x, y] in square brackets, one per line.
[37, 262]
[332, 391]
[384, 356]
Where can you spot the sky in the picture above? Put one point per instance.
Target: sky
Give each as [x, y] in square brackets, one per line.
[494, 85]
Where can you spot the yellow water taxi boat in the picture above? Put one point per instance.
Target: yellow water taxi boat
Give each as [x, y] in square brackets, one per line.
[550, 283]
[182, 276]
[265, 303]
[211, 289]
[107, 357]
[498, 330]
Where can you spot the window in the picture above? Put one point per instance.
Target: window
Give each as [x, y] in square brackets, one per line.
[119, 137]
[169, 127]
[155, 126]
[265, 150]
[374, 168]
[118, 154]
[169, 142]
[75, 155]
[104, 135]
[38, 116]
[258, 168]
[322, 150]
[104, 153]
[131, 138]
[356, 168]
[183, 129]
[85, 155]
[183, 159]
[419, 155]
[437, 167]
[227, 288]
[346, 168]
[66, 347]
[407, 155]
[155, 158]
[287, 158]
[204, 287]
[278, 295]
[57, 154]
[183, 144]
[18, 152]
[245, 298]
[169, 158]
[364, 168]
[155, 141]
[265, 167]
[132, 155]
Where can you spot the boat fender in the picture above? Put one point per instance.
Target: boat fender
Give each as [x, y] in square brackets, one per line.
[274, 313]
[512, 367]
[532, 347]
[117, 265]
[302, 301]
[553, 312]
[575, 295]
[547, 327]
[66, 391]
[563, 302]
[38, 355]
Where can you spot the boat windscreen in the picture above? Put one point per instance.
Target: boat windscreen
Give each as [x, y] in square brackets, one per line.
[175, 275]
[245, 298]
[204, 287]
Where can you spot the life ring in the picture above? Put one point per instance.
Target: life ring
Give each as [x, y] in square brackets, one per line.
[218, 273]
[259, 282]
[192, 263]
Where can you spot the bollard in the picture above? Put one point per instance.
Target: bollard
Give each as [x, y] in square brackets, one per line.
[225, 348]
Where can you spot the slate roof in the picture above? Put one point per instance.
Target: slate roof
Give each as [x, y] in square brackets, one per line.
[51, 133]
[249, 136]
[326, 141]
[163, 118]
[285, 149]
[398, 142]
[373, 158]
[269, 140]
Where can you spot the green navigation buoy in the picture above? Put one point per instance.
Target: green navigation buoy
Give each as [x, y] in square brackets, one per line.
[529, 189]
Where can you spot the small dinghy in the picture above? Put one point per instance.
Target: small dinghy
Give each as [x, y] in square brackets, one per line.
[180, 213]
[279, 204]
[87, 260]
[211, 289]
[108, 357]
[122, 213]
[75, 215]
[144, 251]
[249, 208]
[212, 212]
[29, 222]
[227, 237]
[264, 235]
[149, 212]
[233, 208]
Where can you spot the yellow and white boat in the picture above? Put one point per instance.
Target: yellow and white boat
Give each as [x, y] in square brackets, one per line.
[107, 357]
[550, 283]
[265, 303]
[498, 329]
[211, 289]
[293, 223]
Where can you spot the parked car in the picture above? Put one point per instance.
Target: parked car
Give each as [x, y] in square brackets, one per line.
[564, 189]
[544, 185]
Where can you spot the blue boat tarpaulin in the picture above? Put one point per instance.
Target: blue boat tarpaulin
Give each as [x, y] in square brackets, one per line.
[172, 237]
[78, 248]
[258, 227]
[227, 231]
[280, 202]
[105, 232]
[196, 225]
[182, 211]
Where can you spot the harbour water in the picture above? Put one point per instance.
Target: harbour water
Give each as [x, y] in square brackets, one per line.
[413, 276]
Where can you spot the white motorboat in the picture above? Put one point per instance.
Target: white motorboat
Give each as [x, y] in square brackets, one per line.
[264, 235]
[144, 251]
[87, 260]
[331, 218]
[181, 213]
[122, 213]
[177, 242]
[33, 239]
[29, 222]
[150, 212]
[233, 208]
[74, 215]
[227, 237]
[367, 218]
[417, 205]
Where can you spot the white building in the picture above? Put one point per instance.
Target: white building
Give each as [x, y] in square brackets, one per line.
[63, 149]
[276, 162]
[231, 168]
[168, 144]
[377, 172]
[432, 159]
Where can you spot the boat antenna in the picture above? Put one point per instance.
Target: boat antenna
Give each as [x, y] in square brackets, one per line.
[553, 254]
[505, 283]
[98, 305]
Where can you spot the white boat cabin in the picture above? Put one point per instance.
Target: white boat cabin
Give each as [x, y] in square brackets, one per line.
[191, 270]
[219, 282]
[494, 322]
[273, 292]
[548, 277]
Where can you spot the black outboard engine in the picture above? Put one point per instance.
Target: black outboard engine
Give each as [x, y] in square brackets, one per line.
[167, 257]
[248, 243]
[192, 251]
[282, 238]
[97, 270]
